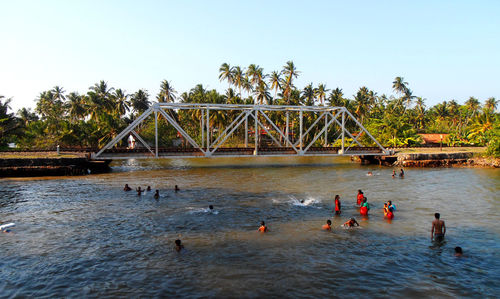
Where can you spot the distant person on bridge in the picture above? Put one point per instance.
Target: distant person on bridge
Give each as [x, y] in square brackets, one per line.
[328, 225]
[359, 198]
[337, 205]
[263, 227]
[126, 188]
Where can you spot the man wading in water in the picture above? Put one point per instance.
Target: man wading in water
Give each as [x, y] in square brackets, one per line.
[438, 229]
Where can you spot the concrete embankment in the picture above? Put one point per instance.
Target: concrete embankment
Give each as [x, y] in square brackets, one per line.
[28, 167]
[431, 160]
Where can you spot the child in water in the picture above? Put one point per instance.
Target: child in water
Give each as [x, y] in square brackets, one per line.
[263, 227]
[365, 207]
[178, 245]
[351, 223]
[386, 209]
[328, 225]
[359, 197]
[337, 205]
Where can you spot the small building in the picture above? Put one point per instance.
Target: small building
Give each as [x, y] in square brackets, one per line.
[433, 138]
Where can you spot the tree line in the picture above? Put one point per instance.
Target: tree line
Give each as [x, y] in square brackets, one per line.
[92, 119]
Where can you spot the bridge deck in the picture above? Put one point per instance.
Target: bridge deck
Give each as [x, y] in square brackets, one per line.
[142, 153]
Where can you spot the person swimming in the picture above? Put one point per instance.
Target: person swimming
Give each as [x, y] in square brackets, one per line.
[176, 188]
[178, 245]
[365, 207]
[126, 188]
[458, 251]
[438, 229]
[211, 208]
[328, 225]
[148, 188]
[402, 173]
[359, 197]
[337, 205]
[157, 194]
[139, 190]
[369, 173]
[351, 223]
[263, 227]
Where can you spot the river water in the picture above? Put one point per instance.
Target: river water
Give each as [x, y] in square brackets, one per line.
[86, 237]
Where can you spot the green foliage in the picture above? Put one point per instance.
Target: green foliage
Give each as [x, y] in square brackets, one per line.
[94, 118]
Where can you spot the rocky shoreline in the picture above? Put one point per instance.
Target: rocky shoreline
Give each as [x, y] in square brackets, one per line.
[463, 159]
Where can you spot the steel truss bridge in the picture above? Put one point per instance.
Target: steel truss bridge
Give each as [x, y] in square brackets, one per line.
[254, 124]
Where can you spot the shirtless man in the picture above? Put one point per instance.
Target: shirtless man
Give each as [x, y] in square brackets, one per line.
[438, 229]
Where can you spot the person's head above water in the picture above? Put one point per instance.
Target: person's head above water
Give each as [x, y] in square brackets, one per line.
[458, 250]
[178, 242]
[211, 207]
[262, 223]
[437, 215]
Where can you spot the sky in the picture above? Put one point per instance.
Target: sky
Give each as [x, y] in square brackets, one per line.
[444, 49]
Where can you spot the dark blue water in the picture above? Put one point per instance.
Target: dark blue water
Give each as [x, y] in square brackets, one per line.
[86, 237]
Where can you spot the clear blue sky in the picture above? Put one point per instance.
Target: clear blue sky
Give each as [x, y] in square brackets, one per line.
[444, 49]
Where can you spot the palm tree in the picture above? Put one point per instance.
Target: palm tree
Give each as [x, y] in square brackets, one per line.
[262, 93]
[140, 101]
[336, 97]
[76, 106]
[226, 73]
[167, 92]
[275, 81]
[308, 94]
[472, 105]
[491, 104]
[399, 85]
[58, 93]
[290, 72]
[122, 105]
[321, 93]
[420, 112]
[363, 101]
[238, 78]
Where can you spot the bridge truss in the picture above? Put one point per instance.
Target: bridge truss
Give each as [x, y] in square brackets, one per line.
[304, 131]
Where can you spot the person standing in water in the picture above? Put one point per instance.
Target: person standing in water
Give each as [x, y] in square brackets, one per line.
[139, 190]
[328, 225]
[402, 173]
[390, 214]
[176, 189]
[438, 229]
[263, 227]
[359, 197]
[157, 194]
[365, 207]
[126, 188]
[337, 205]
[393, 173]
[390, 205]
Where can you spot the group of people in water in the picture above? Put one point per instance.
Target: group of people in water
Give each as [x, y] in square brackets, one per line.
[139, 190]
